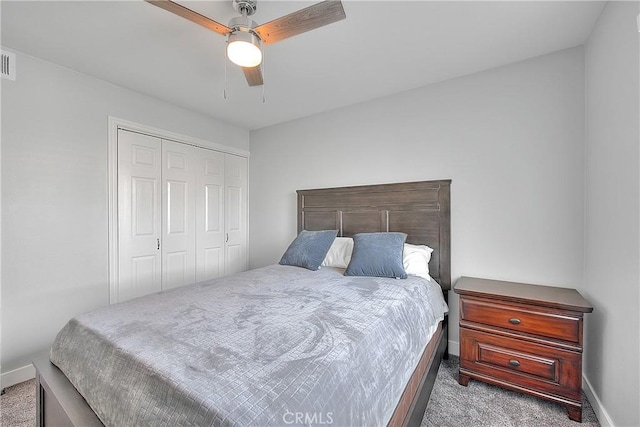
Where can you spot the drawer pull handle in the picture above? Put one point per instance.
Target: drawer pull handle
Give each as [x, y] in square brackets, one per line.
[514, 362]
[514, 321]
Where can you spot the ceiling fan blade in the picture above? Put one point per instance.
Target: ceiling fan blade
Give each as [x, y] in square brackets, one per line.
[191, 16]
[307, 19]
[253, 75]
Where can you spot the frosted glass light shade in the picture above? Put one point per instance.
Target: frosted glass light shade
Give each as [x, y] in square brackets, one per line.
[243, 49]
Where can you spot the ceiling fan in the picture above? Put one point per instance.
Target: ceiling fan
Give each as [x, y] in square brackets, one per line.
[244, 36]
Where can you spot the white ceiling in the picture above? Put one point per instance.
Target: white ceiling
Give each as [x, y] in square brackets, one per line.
[381, 48]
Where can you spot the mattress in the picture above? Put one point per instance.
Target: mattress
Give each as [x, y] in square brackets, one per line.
[278, 345]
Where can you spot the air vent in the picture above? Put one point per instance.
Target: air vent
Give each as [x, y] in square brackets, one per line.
[8, 65]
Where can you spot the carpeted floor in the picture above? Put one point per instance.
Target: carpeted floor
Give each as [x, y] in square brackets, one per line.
[484, 405]
[478, 405]
[18, 405]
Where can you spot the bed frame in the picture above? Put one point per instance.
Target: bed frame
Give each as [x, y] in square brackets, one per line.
[420, 209]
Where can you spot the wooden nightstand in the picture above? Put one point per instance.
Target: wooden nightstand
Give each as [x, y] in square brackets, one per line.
[522, 337]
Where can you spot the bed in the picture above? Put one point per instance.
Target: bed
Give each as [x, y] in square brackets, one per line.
[306, 374]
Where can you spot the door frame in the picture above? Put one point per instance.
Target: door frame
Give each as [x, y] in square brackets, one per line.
[112, 181]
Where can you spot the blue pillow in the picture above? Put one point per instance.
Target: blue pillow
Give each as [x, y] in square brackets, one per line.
[309, 249]
[377, 254]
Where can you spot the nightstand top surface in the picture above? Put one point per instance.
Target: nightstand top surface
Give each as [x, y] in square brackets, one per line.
[549, 296]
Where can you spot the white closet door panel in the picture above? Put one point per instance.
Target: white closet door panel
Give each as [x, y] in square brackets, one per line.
[177, 269]
[144, 277]
[234, 208]
[139, 215]
[213, 212]
[177, 207]
[235, 213]
[178, 222]
[213, 263]
[210, 235]
[235, 259]
[143, 206]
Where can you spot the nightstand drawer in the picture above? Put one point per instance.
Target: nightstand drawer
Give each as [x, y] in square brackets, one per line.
[504, 358]
[537, 367]
[521, 320]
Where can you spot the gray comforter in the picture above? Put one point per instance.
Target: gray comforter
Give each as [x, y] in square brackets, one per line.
[273, 346]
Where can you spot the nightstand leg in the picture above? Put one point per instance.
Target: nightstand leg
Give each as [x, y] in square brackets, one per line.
[463, 379]
[575, 414]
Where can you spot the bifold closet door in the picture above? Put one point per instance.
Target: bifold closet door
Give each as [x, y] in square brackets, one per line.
[139, 215]
[178, 241]
[221, 214]
[235, 204]
[210, 232]
[182, 214]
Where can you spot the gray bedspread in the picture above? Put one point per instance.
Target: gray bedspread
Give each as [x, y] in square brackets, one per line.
[273, 346]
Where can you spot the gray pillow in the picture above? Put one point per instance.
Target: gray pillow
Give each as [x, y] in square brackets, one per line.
[309, 249]
[377, 254]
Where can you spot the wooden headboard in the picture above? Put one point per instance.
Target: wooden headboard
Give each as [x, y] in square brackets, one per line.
[420, 209]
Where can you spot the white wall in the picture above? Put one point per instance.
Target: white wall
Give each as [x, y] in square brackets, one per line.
[511, 139]
[54, 194]
[612, 209]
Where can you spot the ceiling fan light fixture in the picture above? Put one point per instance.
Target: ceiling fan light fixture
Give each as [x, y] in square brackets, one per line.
[243, 49]
[245, 37]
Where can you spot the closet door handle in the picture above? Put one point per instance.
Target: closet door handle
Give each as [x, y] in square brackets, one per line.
[227, 238]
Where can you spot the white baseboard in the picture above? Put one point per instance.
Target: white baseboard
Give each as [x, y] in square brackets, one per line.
[17, 376]
[596, 404]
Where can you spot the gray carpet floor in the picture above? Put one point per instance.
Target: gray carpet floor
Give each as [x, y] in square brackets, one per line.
[18, 405]
[478, 405]
[485, 405]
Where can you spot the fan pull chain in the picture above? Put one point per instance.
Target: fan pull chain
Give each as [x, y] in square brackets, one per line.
[264, 81]
[224, 92]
